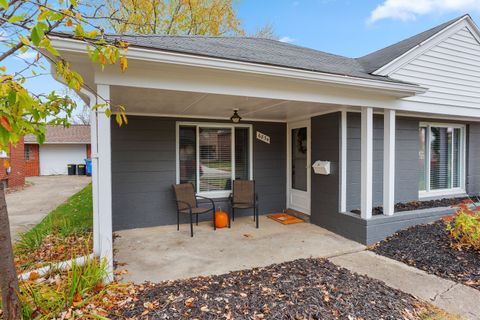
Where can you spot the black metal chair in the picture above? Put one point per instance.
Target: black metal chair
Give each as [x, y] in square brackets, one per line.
[243, 196]
[186, 201]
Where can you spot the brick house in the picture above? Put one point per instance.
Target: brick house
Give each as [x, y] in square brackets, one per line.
[62, 146]
[12, 167]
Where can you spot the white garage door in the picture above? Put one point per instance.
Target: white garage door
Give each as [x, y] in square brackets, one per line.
[55, 158]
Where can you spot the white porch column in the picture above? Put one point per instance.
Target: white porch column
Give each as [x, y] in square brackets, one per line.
[389, 162]
[104, 179]
[94, 160]
[343, 162]
[366, 183]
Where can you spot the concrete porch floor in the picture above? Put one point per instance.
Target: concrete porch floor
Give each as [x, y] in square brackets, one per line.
[163, 253]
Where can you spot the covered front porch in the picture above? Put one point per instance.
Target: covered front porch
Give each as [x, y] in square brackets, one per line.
[162, 253]
[351, 127]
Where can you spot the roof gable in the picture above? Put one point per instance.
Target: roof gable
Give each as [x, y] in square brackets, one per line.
[76, 133]
[384, 61]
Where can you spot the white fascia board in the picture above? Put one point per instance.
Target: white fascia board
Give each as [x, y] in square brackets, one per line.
[442, 35]
[396, 89]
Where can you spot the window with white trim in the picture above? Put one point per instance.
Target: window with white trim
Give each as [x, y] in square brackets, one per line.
[212, 155]
[442, 158]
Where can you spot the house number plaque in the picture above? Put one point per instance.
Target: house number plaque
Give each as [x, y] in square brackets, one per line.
[263, 137]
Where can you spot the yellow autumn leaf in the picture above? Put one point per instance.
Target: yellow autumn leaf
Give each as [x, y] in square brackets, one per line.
[123, 63]
[102, 59]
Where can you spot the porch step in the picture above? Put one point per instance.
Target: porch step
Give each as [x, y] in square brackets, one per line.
[298, 214]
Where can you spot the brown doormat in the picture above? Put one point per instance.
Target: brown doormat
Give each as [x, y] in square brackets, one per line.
[284, 218]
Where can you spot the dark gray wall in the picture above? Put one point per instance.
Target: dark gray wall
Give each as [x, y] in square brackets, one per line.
[406, 164]
[325, 189]
[473, 159]
[143, 171]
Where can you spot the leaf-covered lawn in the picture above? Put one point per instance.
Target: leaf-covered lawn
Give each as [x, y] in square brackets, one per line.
[63, 233]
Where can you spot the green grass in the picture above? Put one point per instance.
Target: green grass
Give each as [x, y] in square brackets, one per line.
[75, 216]
[222, 165]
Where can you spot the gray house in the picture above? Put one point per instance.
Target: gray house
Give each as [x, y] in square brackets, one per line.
[328, 136]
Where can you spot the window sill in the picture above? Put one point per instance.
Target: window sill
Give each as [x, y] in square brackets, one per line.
[440, 193]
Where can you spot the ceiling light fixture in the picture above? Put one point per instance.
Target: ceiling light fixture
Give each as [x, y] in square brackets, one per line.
[235, 118]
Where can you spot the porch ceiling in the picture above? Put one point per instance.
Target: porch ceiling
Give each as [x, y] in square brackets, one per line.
[203, 105]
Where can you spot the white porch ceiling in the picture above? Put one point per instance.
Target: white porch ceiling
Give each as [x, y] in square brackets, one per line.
[202, 105]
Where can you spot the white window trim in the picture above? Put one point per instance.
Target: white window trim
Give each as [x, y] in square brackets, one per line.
[463, 146]
[197, 125]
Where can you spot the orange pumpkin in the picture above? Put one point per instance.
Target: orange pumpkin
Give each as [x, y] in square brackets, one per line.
[221, 219]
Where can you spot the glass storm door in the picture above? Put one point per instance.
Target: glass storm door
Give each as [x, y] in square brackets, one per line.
[299, 166]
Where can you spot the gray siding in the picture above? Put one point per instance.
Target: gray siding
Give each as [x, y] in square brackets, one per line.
[325, 189]
[144, 164]
[473, 159]
[406, 165]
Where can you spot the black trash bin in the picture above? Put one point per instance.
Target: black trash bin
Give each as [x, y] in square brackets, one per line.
[81, 170]
[72, 169]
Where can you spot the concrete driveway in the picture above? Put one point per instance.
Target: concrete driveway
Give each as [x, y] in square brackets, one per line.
[29, 206]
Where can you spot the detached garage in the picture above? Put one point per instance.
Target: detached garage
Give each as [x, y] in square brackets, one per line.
[62, 146]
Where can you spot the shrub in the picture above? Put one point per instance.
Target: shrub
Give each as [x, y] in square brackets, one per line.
[464, 226]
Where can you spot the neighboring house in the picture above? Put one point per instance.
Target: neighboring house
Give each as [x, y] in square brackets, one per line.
[12, 167]
[397, 125]
[62, 146]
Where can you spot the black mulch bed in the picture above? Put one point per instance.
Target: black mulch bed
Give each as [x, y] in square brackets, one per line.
[300, 289]
[427, 247]
[418, 205]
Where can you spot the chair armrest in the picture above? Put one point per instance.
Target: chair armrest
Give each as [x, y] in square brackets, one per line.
[205, 198]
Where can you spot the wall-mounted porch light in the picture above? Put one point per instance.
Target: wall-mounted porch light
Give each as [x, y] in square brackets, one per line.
[235, 118]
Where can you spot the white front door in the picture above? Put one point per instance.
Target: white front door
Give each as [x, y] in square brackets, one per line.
[298, 166]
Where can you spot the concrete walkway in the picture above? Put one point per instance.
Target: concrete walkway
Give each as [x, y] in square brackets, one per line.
[448, 295]
[29, 206]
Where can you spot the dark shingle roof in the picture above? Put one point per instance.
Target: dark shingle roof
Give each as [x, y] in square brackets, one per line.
[256, 50]
[276, 53]
[76, 133]
[382, 57]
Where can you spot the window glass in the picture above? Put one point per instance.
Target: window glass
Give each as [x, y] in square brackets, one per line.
[457, 159]
[215, 159]
[220, 149]
[440, 158]
[242, 153]
[26, 152]
[422, 156]
[187, 154]
[299, 159]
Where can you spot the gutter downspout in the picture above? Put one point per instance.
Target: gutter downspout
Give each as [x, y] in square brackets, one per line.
[94, 157]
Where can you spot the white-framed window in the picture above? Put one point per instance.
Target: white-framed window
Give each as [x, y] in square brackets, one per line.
[26, 152]
[441, 159]
[212, 155]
